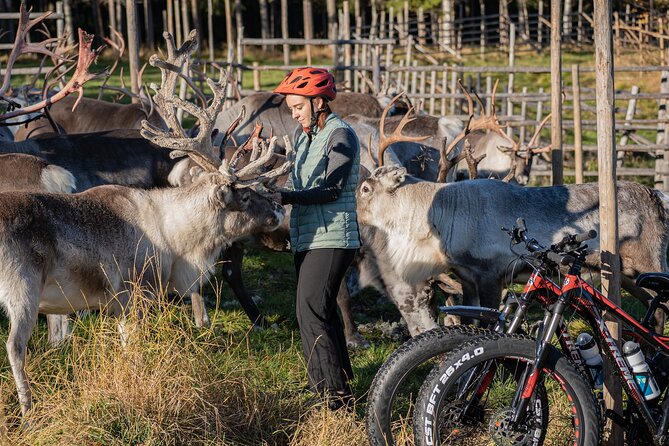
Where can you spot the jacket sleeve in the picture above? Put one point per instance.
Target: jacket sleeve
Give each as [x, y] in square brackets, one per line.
[341, 149]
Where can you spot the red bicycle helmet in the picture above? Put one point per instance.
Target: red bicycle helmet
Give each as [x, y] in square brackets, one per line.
[310, 82]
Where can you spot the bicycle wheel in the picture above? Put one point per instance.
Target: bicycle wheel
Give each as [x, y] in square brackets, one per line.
[391, 381]
[467, 400]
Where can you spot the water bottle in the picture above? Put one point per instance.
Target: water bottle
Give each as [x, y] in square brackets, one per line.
[590, 354]
[640, 370]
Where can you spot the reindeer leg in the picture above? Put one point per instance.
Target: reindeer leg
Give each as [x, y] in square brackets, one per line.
[232, 272]
[59, 328]
[22, 315]
[353, 338]
[199, 310]
[416, 304]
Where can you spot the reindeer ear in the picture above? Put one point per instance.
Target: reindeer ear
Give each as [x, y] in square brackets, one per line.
[390, 177]
[224, 195]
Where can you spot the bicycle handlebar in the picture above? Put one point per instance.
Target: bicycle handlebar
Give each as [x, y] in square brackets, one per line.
[556, 253]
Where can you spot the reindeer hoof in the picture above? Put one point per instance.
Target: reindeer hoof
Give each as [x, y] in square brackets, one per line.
[357, 342]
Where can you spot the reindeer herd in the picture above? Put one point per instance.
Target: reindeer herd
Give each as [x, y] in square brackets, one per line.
[104, 197]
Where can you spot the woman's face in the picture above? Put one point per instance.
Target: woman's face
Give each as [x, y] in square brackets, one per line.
[300, 108]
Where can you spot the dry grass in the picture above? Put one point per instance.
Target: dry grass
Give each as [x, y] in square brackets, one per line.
[171, 384]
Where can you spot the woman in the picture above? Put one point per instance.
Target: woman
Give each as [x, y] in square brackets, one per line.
[323, 227]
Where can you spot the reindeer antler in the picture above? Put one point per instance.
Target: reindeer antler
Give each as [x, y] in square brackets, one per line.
[21, 45]
[482, 122]
[76, 83]
[198, 148]
[397, 135]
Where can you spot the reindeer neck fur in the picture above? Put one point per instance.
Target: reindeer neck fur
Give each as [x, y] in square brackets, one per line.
[411, 244]
[187, 219]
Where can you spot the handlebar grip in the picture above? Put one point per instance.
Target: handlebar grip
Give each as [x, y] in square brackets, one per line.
[553, 257]
[585, 236]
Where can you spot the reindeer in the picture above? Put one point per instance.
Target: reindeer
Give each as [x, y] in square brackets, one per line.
[455, 227]
[26, 172]
[60, 253]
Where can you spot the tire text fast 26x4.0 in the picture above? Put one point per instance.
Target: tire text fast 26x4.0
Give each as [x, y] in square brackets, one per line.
[468, 399]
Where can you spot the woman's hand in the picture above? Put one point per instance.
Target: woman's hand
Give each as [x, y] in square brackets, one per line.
[276, 196]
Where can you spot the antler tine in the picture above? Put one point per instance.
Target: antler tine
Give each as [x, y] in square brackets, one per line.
[537, 133]
[261, 155]
[397, 136]
[470, 102]
[482, 122]
[228, 134]
[76, 83]
[200, 147]
[278, 171]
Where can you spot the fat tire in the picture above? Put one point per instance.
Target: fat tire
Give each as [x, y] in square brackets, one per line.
[400, 364]
[499, 346]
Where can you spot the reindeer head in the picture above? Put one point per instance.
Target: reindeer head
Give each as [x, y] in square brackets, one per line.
[230, 190]
[521, 155]
[376, 193]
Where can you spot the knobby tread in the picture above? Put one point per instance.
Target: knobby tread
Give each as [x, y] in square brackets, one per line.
[511, 343]
[407, 358]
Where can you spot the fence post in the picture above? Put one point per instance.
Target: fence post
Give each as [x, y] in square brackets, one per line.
[256, 77]
[390, 46]
[512, 61]
[662, 156]
[523, 114]
[347, 47]
[59, 22]
[433, 90]
[556, 96]
[414, 77]
[540, 23]
[578, 138]
[376, 70]
[284, 31]
[421, 26]
[444, 89]
[629, 116]
[454, 90]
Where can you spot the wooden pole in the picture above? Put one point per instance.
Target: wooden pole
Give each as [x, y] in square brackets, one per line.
[540, 24]
[69, 27]
[608, 205]
[556, 95]
[662, 156]
[578, 138]
[177, 21]
[347, 48]
[210, 29]
[629, 116]
[170, 17]
[148, 24]
[308, 24]
[111, 10]
[512, 62]
[284, 31]
[229, 38]
[256, 76]
[133, 45]
[421, 26]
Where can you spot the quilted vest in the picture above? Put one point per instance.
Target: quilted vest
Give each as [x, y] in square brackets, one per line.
[327, 225]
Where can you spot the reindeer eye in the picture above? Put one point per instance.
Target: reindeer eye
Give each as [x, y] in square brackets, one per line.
[365, 189]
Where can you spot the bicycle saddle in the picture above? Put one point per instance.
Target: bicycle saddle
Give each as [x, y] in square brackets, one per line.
[658, 282]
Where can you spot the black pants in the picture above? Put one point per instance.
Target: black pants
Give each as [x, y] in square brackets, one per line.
[319, 274]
